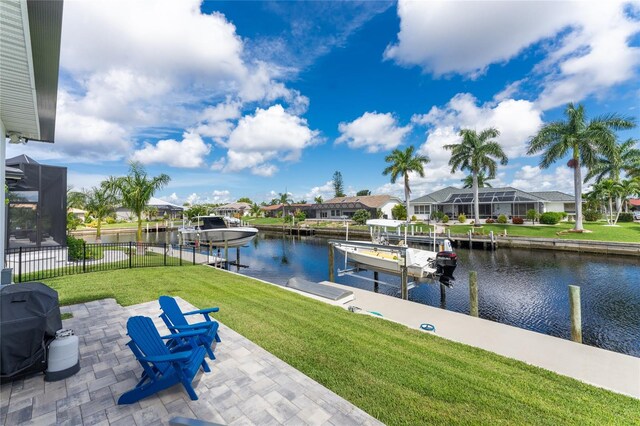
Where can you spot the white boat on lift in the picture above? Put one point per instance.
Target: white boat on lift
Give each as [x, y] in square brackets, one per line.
[421, 264]
[217, 231]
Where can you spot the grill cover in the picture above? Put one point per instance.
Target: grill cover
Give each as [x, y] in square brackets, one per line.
[29, 319]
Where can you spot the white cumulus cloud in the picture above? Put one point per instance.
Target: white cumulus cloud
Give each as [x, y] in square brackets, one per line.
[373, 132]
[517, 120]
[588, 43]
[268, 135]
[187, 153]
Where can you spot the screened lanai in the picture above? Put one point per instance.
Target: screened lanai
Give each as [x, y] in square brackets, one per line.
[493, 203]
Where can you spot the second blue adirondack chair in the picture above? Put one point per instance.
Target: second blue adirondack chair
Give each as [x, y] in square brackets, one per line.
[161, 367]
[176, 321]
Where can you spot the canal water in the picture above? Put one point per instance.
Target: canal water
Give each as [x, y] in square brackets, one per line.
[523, 288]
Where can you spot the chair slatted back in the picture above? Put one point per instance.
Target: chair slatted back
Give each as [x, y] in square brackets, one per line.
[171, 309]
[146, 337]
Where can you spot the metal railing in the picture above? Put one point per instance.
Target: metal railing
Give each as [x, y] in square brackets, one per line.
[31, 263]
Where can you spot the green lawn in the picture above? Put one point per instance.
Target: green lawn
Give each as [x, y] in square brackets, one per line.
[625, 232]
[398, 375]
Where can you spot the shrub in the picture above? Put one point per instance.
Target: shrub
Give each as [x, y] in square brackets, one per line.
[550, 218]
[592, 215]
[502, 219]
[563, 215]
[399, 212]
[74, 248]
[517, 220]
[361, 216]
[414, 218]
[462, 218]
[532, 215]
[445, 219]
[110, 220]
[437, 215]
[625, 217]
[490, 220]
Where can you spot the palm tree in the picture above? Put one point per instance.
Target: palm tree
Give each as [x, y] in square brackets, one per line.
[100, 202]
[402, 163]
[255, 210]
[628, 188]
[608, 190]
[318, 199]
[76, 199]
[583, 140]
[483, 181]
[136, 189]
[477, 153]
[624, 157]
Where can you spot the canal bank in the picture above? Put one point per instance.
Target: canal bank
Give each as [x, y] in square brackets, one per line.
[476, 241]
[599, 367]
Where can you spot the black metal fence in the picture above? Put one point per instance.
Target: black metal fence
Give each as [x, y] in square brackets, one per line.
[31, 264]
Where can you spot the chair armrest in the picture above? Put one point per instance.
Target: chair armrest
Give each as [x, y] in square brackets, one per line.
[205, 325]
[184, 334]
[178, 356]
[202, 311]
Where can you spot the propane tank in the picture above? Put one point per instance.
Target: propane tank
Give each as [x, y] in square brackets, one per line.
[64, 356]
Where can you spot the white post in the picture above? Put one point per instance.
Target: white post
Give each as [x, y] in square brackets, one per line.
[347, 236]
[3, 195]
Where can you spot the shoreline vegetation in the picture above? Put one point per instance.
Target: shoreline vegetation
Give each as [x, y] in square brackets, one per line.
[398, 375]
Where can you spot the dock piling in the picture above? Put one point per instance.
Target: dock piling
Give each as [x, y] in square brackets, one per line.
[443, 296]
[473, 293]
[375, 282]
[404, 286]
[575, 312]
[331, 269]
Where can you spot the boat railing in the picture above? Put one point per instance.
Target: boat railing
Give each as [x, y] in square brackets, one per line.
[365, 245]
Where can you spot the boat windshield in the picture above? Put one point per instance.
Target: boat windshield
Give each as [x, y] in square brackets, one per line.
[213, 223]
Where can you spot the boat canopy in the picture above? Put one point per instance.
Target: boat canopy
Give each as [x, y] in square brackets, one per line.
[389, 223]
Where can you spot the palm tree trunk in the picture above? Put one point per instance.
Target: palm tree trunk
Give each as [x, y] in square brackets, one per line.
[139, 233]
[98, 233]
[610, 220]
[577, 185]
[407, 191]
[476, 201]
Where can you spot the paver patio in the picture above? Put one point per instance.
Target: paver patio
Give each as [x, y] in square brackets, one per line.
[247, 385]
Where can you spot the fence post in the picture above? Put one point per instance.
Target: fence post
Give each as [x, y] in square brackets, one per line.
[84, 257]
[473, 293]
[576, 314]
[165, 254]
[194, 255]
[20, 265]
[331, 273]
[180, 254]
[130, 254]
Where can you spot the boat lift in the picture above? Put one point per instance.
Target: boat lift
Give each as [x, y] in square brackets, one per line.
[405, 286]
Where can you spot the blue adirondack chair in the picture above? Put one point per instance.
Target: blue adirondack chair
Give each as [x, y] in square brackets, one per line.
[176, 322]
[162, 367]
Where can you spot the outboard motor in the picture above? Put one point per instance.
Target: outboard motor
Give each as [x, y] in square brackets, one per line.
[446, 262]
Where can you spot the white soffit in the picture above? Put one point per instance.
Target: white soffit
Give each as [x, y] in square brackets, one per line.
[18, 105]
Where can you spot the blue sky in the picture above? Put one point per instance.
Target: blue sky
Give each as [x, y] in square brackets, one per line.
[236, 99]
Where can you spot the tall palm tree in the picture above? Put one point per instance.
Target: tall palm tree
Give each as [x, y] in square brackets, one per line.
[100, 202]
[629, 188]
[477, 153]
[583, 140]
[136, 189]
[402, 163]
[76, 199]
[318, 199]
[483, 181]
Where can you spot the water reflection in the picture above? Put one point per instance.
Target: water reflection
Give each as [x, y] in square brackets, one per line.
[523, 288]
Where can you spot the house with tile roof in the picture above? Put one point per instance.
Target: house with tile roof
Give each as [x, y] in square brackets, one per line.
[345, 207]
[493, 202]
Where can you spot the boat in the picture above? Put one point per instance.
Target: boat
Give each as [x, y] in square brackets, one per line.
[379, 255]
[217, 231]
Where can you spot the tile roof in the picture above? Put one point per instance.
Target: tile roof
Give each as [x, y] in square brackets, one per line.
[371, 201]
[553, 196]
[234, 206]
